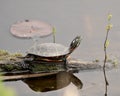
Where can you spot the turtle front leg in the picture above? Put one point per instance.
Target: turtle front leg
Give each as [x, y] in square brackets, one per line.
[65, 63]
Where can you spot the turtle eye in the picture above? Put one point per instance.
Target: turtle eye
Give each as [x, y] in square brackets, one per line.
[73, 41]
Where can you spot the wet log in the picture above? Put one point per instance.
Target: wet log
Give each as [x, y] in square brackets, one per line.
[14, 71]
[20, 66]
[15, 67]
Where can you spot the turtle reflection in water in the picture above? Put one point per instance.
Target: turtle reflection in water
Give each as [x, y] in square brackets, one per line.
[52, 52]
[53, 82]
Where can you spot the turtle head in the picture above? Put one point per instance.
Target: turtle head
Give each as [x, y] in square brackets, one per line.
[74, 44]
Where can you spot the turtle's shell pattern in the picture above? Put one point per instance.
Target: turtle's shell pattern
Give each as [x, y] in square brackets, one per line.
[49, 49]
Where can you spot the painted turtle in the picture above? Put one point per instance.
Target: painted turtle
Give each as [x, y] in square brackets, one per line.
[52, 52]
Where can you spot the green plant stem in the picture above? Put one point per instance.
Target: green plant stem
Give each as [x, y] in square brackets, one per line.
[53, 37]
[54, 33]
[104, 65]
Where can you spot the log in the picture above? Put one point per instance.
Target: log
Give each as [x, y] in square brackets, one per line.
[37, 66]
[74, 65]
[24, 76]
[15, 67]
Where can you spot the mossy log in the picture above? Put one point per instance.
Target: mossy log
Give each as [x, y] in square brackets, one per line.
[18, 64]
[14, 66]
[14, 71]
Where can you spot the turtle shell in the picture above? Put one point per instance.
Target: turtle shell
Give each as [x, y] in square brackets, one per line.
[49, 50]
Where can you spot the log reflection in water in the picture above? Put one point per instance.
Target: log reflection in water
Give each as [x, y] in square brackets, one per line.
[53, 82]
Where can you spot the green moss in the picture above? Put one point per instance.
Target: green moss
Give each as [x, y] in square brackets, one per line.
[16, 55]
[9, 67]
[43, 68]
[5, 55]
[3, 52]
[2, 58]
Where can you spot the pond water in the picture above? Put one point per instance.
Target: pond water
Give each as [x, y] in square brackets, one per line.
[70, 18]
[93, 85]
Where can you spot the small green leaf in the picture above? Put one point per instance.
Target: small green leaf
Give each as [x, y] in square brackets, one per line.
[115, 62]
[109, 27]
[106, 43]
[109, 16]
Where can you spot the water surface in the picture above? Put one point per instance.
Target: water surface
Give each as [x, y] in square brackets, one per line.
[70, 18]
